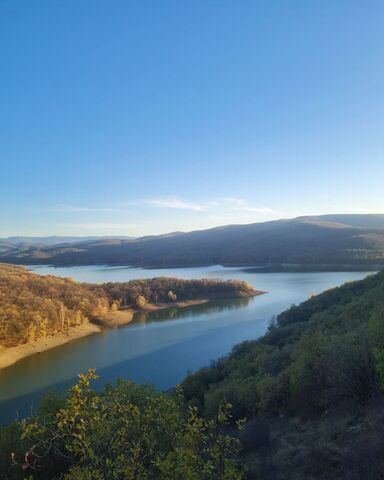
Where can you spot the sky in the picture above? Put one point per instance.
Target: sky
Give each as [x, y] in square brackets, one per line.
[136, 117]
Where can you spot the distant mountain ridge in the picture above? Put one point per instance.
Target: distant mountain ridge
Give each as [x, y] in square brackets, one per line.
[309, 240]
[51, 240]
[16, 243]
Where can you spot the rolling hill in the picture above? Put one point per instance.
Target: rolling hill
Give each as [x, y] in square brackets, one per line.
[311, 240]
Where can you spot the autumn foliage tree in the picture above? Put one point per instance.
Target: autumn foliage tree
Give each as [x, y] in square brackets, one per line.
[34, 306]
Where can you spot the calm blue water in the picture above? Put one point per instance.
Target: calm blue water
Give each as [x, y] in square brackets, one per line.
[161, 347]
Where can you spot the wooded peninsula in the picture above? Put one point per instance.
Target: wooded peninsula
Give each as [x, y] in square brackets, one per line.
[41, 312]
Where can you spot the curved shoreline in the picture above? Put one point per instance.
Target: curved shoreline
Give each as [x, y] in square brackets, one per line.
[11, 355]
[119, 318]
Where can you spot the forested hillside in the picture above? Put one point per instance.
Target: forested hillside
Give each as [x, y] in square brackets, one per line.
[323, 240]
[311, 388]
[309, 395]
[34, 306]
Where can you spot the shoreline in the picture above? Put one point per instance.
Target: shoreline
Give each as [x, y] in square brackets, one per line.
[11, 355]
[119, 318]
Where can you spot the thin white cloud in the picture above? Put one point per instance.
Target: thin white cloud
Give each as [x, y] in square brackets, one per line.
[229, 204]
[224, 204]
[198, 214]
[262, 210]
[99, 226]
[232, 201]
[175, 203]
[75, 209]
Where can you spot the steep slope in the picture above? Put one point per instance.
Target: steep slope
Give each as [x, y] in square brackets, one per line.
[311, 388]
[329, 239]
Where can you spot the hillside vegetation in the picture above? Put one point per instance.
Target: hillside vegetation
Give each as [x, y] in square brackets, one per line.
[324, 240]
[126, 432]
[309, 395]
[311, 388]
[34, 306]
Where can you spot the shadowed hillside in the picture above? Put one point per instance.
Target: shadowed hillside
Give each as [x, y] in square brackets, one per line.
[323, 240]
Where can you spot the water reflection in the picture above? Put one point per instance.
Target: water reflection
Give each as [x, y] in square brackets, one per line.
[175, 313]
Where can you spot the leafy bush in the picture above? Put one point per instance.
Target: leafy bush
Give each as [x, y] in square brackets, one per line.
[125, 432]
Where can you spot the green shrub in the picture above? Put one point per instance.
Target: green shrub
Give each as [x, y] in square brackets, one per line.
[128, 432]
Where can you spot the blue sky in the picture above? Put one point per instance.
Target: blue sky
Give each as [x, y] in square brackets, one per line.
[134, 117]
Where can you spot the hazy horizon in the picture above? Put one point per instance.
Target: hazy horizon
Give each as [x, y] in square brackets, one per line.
[169, 232]
[86, 230]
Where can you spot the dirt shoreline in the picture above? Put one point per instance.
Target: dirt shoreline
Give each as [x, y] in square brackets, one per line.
[9, 356]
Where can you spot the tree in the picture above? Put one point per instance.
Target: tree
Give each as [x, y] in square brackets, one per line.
[171, 296]
[140, 301]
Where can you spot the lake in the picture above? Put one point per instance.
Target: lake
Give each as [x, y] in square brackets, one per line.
[160, 347]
